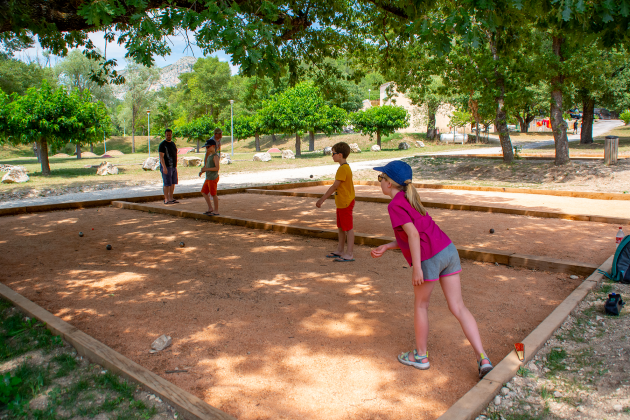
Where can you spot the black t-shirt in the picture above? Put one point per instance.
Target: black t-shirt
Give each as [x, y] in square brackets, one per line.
[170, 153]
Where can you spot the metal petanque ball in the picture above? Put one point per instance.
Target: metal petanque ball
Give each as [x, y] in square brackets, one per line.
[311, 176]
[491, 230]
[80, 234]
[181, 244]
[108, 247]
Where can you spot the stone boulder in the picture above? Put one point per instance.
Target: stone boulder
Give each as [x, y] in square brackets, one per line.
[106, 168]
[288, 154]
[225, 161]
[403, 146]
[224, 155]
[161, 343]
[419, 143]
[262, 157]
[14, 176]
[7, 168]
[151, 164]
[375, 148]
[354, 148]
[328, 150]
[192, 161]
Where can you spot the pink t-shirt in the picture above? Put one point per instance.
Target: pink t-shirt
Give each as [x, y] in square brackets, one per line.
[432, 239]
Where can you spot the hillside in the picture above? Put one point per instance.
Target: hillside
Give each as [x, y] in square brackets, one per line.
[169, 76]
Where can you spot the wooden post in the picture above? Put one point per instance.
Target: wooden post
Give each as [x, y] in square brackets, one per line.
[611, 150]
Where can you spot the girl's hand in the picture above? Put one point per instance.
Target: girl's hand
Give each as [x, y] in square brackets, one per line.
[417, 277]
[379, 251]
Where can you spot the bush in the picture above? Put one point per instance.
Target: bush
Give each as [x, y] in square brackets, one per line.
[625, 116]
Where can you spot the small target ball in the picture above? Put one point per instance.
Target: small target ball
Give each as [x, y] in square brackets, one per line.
[491, 230]
[80, 234]
[92, 228]
[181, 244]
[108, 247]
[311, 176]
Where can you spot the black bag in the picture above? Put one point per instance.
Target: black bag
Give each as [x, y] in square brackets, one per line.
[614, 304]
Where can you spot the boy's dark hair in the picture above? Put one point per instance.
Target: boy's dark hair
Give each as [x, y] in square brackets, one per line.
[343, 148]
[167, 130]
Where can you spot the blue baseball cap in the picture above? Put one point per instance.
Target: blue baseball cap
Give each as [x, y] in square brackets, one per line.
[397, 170]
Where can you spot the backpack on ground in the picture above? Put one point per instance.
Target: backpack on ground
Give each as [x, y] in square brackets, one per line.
[621, 263]
[614, 304]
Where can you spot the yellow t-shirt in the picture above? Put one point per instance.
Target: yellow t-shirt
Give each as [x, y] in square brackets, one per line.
[345, 190]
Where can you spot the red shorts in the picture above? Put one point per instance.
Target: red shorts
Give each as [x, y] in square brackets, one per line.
[210, 187]
[344, 217]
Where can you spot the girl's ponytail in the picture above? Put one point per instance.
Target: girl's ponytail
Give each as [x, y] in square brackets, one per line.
[413, 197]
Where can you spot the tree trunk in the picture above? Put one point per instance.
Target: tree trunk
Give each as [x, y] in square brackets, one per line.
[36, 152]
[298, 145]
[43, 153]
[378, 137]
[197, 145]
[78, 151]
[257, 141]
[558, 124]
[91, 147]
[311, 141]
[500, 122]
[431, 130]
[521, 122]
[273, 139]
[133, 133]
[586, 134]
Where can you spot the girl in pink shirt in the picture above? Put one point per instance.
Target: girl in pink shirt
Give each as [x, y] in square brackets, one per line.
[433, 257]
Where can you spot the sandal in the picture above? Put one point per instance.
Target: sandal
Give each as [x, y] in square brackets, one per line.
[333, 255]
[174, 201]
[208, 213]
[417, 360]
[484, 368]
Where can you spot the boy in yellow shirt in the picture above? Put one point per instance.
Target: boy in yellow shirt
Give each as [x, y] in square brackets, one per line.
[344, 200]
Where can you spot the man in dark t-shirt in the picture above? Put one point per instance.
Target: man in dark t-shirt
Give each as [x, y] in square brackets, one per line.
[168, 166]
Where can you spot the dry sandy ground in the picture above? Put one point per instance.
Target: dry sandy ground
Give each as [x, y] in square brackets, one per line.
[588, 242]
[568, 205]
[266, 326]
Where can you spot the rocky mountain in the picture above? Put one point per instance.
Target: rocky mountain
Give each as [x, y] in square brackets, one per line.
[169, 76]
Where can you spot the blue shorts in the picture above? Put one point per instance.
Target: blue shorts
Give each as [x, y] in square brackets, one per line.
[170, 177]
[444, 263]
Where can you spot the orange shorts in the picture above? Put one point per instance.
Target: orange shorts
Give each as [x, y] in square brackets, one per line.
[210, 187]
[344, 217]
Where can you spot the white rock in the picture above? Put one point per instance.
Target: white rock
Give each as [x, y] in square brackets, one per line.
[557, 394]
[505, 390]
[574, 277]
[598, 318]
[403, 146]
[375, 148]
[354, 148]
[224, 155]
[328, 150]
[618, 408]
[106, 168]
[419, 144]
[225, 161]
[161, 342]
[497, 400]
[192, 161]
[15, 176]
[262, 157]
[581, 409]
[7, 168]
[527, 407]
[287, 154]
[151, 164]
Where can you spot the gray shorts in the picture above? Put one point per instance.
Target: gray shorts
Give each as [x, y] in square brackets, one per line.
[444, 263]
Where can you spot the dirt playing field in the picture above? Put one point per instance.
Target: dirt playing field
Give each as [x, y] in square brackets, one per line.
[266, 326]
[570, 240]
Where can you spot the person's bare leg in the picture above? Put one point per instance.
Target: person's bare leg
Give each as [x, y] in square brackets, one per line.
[342, 242]
[171, 191]
[165, 189]
[207, 198]
[452, 288]
[350, 245]
[422, 294]
[215, 198]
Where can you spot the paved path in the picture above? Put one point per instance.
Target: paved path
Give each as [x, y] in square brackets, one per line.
[260, 178]
[599, 128]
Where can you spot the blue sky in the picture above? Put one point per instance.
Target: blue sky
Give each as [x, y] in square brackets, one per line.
[177, 44]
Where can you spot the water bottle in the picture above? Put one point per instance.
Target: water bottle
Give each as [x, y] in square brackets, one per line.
[619, 236]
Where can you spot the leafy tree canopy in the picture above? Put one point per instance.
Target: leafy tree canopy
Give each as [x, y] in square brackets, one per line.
[382, 120]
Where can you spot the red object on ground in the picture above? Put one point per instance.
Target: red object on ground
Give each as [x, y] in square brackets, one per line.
[520, 351]
[184, 150]
[106, 156]
[274, 150]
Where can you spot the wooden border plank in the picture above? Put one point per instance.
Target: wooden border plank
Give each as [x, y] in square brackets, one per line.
[474, 401]
[462, 207]
[485, 255]
[189, 406]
